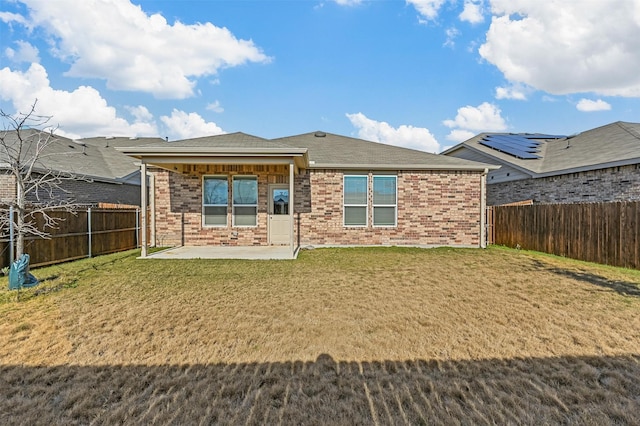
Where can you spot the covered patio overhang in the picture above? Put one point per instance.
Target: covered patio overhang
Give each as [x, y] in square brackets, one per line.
[176, 158]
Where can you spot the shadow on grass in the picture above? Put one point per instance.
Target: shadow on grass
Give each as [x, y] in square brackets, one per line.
[621, 287]
[625, 288]
[582, 390]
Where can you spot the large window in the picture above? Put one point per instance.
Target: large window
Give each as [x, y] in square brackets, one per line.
[355, 200]
[215, 199]
[245, 201]
[385, 200]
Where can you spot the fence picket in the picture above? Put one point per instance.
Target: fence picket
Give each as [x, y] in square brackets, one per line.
[80, 235]
[607, 233]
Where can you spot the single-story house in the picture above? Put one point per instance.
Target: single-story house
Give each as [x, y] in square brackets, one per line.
[100, 173]
[598, 165]
[314, 189]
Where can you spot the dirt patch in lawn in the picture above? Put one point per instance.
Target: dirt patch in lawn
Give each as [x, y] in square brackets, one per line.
[342, 335]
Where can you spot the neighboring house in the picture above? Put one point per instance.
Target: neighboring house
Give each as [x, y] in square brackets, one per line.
[101, 173]
[598, 165]
[314, 189]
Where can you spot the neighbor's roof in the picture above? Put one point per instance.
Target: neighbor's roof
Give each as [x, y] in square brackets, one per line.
[615, 144]
[228, 142]
[89, 158]
[319, 150]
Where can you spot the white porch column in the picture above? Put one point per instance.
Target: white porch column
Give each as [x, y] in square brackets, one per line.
[152, 209]
[291, 208]
[143, 205]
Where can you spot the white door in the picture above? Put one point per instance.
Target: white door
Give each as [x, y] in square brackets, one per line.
[279, 219]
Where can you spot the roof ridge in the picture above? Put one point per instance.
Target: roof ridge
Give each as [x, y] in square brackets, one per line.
[633, 132]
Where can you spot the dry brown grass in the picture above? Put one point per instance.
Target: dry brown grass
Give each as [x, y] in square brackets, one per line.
[346, 336]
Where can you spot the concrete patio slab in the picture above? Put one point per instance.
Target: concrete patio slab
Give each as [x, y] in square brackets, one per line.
[222, 252]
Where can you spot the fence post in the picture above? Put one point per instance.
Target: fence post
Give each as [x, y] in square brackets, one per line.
[11, 236]
[89, 228]
[137, 228]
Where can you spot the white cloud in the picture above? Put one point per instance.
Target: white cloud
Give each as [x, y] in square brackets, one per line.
[451, 34]
[348, 2]
[515, 91]
[140, 113]
[215, 107]
[470, 120]
[588, 105]
[117, 41]
[566, 47]
[459, 135]
[8, 18]
[405, 136]
[79, 113]
[24, 53]
[472, 12]
[183, 125]
[428, 9]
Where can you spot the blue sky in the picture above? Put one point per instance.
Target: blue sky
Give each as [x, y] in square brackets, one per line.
[424, 74]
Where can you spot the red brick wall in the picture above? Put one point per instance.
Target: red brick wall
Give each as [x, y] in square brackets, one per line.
[434, 208]
[178, 206]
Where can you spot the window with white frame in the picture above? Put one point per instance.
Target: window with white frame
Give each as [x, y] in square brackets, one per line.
[355, 200]
[245, 201]
[215, 199]
[385, 200]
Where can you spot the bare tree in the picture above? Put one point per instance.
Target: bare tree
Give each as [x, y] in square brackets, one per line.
[26, 154]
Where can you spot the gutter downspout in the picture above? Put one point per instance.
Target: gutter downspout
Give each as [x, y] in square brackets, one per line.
[483, 209]
[143, 204]
[291, 209]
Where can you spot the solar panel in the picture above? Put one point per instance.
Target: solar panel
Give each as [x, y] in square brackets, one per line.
[523, 145]
[515, 141]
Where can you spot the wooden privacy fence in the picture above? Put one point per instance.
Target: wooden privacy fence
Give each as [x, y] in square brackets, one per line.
[607, 233]
[89, 232]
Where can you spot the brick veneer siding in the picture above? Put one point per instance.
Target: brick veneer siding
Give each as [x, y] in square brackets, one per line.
[7, 188]
[79, 191]
[610, 184]
[434, 208]
[83, 192]
[178, 206]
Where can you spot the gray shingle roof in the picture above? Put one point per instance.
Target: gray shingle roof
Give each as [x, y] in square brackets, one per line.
[323, 150]
[88, 158]
[611, 145]
[333, 150]
[227, 140]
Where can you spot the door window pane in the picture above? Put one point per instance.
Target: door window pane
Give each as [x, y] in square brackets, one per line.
[280, 199]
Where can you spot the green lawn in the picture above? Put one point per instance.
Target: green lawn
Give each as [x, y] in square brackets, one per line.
[346, 336]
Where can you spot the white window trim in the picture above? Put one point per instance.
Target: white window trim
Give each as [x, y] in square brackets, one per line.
[226, 206]
[395, 206]
[233, 204]
[345, 205]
